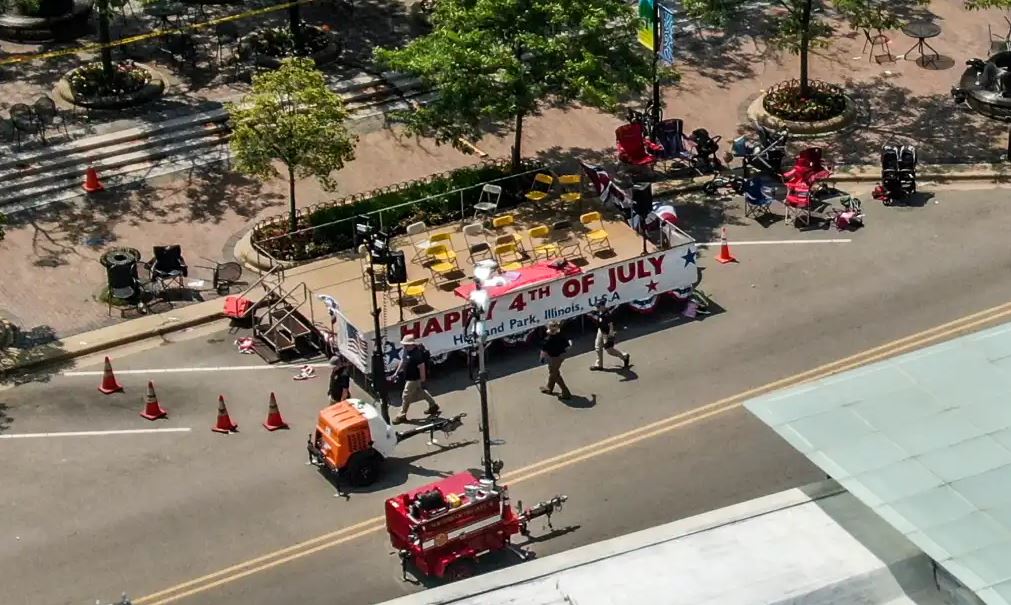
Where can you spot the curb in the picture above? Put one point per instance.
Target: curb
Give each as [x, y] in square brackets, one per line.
[49, 355]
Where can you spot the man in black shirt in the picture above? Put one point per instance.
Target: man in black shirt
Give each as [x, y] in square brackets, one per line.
[414, 368]
[605, 337]
[553, 351]
[340, 380]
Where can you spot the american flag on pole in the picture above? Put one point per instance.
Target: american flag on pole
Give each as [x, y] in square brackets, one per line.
[356, 343]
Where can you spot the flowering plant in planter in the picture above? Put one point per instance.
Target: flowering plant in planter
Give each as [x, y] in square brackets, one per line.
[280, 42]
[823, 101]
[89, 81]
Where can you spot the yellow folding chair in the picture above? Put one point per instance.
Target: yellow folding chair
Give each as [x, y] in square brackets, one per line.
[417, 232]
[541, 187]
[365, 259]
[414, 290]
[500, 224]
[508, 257]
[539, 242]
[572, 188]
[443, 262]
[596, 237]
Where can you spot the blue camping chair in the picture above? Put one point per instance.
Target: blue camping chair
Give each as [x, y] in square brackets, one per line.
[757, 198]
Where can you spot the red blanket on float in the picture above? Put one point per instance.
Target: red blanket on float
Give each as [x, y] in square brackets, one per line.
[522, 278]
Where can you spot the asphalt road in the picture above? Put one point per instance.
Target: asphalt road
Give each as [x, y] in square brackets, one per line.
[154, 514]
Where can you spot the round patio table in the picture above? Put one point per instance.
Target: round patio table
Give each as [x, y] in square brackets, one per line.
[922, 31]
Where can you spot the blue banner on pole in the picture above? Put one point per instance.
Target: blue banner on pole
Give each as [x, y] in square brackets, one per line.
[666, 50]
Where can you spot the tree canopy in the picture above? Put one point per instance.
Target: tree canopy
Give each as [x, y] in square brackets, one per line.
[292, 117]
[496, 60]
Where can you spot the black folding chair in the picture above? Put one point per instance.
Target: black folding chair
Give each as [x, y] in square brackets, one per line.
[48, 115]
[168, 266]
[23, 121]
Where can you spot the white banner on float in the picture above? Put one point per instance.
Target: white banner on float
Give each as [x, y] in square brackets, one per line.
[522, 310]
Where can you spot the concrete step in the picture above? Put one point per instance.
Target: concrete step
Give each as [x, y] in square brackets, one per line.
[99, 155]
[15, 160]
[147, 170]
[19, 187]
[56, 174]
[112, 173]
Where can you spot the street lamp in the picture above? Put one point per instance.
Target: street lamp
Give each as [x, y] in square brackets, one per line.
[378, 245]
[485, 274]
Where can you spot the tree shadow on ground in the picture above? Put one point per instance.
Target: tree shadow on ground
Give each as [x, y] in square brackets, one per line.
[27, 361]
[892, 114]
[5, 418]
[205, 195]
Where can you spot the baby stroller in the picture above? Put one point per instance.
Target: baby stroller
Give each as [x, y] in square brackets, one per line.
[767, 156]
[698, 150]
[898, 173]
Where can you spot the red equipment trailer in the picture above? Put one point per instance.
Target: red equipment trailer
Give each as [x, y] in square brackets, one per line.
[442, 528]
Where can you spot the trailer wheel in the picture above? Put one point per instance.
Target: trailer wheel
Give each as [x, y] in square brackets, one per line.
[363, 467]
[460, 569]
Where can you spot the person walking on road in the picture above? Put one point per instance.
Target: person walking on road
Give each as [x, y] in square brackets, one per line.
[414, 368]
[605, 337]
[553, 351]
[340, 380]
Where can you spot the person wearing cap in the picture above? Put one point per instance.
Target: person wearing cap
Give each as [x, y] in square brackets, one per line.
[553, 351]
[414, 368]
[605, 337]
[340, 380]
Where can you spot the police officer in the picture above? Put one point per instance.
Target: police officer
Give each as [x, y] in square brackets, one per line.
[553, 351]
[414, 368]
[605, 337]
[340, 380]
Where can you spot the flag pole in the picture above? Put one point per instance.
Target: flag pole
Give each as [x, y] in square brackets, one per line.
[656, 67]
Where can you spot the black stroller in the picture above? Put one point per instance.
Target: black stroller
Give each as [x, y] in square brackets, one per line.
[898, 173]
[697, 150]
[767, 156]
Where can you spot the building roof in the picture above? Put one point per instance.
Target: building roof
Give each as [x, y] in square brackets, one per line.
[817, 544]
[924, 440]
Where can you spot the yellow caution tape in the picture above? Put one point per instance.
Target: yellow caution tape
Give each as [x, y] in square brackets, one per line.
[25, 58]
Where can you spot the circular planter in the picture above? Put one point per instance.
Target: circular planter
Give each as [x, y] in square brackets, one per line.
[328, 54]
[757, 113]
[152, 90]
[53, 19]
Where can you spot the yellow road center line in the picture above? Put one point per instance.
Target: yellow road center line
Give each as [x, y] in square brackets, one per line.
[593, 450]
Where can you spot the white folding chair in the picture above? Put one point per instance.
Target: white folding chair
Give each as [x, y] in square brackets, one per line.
[487, 202]
[418, 234]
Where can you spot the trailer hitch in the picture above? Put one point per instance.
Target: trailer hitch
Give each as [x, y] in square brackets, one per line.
[446, 425]
[541, 509]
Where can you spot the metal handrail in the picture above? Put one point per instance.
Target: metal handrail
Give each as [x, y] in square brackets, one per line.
[305, 298]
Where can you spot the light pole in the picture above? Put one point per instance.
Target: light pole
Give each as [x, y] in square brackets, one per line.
[378, 255]
[484, 274]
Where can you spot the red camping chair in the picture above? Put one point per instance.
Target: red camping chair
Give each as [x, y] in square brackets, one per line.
[798, 202]
[809, 168]
[634, 148]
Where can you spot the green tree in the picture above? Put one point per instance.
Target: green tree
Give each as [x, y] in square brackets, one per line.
[801, 26]
[503, 60]
[292, 117]
[975, 5]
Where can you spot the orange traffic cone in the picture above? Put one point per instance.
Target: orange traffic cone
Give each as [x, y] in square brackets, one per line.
[274, 420]
[109, 384]
[725, 256]
[91, 182]
[225, 424]
[152, 409]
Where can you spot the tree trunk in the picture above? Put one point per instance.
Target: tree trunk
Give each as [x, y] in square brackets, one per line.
[517, 158]
[105, 38]
[292, 214]
[805, 42]
[295, 23]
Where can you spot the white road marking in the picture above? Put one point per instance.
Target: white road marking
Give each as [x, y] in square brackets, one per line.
[210, 369]
[776, 242]
[93, 433]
